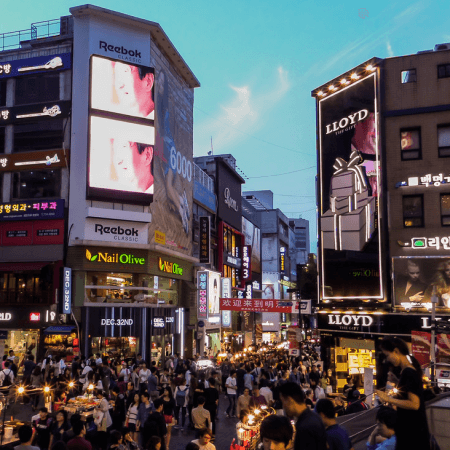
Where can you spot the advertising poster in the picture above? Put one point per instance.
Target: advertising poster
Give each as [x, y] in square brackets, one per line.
[270, 286]
[443, 344]
[202, 295]
[350, 183]
[421, 345]
[252, 236]
[122, 133]
[414, 280]
[173, 169]
[213, 294]
[226, 293]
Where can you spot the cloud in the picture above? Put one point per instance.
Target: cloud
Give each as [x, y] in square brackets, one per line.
[242, 115]
[389, 49]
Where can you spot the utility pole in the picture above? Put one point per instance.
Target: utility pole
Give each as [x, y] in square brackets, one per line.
[434, 300]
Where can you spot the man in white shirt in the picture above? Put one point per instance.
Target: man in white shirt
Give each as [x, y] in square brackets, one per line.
[204, 440]
[83, 376]
[266, 391]
[99, 360]
[7, 373]
[231, 393]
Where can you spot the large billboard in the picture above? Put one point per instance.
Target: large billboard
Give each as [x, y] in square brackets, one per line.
[350, 185]
[252, 236]
[414, 280]
[122, 133]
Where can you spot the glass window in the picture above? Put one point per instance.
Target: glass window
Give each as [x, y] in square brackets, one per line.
[3, 92]
[444, 71]
[37, 88]
[43, 135]
[413, 211]
[25, 288]
[444, 141]
[410, 144]
[2, 139]
[409, 76]
[445, 210]
[36, 184]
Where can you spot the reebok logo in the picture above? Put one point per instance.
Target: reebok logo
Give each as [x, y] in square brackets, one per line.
[116, 230]
[123, 51]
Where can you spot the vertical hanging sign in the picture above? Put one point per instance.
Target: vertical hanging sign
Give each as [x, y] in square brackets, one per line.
[282, 260]
[226, 293]
[246, 262]
[205, 238]
[67, 291]
[202, 286]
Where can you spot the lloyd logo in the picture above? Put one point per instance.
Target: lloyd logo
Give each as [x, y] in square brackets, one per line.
[123, 258]
[231, 203]
[350, 320]
[351, 119]
[169, 267]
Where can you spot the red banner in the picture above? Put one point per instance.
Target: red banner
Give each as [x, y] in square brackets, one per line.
[421, 344]
[255, 304]
[443, 343]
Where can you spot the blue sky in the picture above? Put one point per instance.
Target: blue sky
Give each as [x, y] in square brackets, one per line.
[257, 62]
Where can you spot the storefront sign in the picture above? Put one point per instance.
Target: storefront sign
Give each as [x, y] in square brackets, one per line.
[38, 64]
[117, 322]
[282, 260]
[116, 231]
[158, 322]
[67, 290]
[35, 317]
[205, 239]
[248, 293]
[38, 232]
[246, 263]
[289, 284]
[421, 243]
[427, 180]
[114, 258]
[32, 210]
[304, 307]
[202, 302]
[204, 196]
[5, 316]
[47, 159]
[226, 293]
[350, 320]
[256, 285]
[160, 237]
[230, 202]
[169, 267]
[21, 114]
[255, 304]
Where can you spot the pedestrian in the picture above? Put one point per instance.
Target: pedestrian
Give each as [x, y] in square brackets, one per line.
[42, 428]
[119, 409]
[212, 402]
[412, 426]
[337, 437]
[155, 425]
[144, 373]
[168, 412]
[231, 386]
[355, 404]
[60, 426]
[131, 417]
[276, 433]
[7, 375]
[201, 417]
[310, 431]
[248, 380]
[145, 409]
[181, 403]
[28, 367]
[25, 437]
[79, 442]
[204, 440]
[383, 436]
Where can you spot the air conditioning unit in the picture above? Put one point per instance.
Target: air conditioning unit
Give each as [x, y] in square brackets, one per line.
[439, 47]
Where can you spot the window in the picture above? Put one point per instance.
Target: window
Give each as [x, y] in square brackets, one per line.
[444, 141]
[44, 135]
[26, 288]
[410, 144]
[2, 139]
[413, 211]
[3, 92]
[37, 88]
[409, 76]
[445, 210]
[36, 184]
[444, 71]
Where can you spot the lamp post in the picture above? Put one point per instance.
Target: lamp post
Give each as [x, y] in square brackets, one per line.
[434, 300]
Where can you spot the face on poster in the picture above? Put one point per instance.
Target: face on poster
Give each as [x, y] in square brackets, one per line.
[253, 237]
[122, 88]
[416, 278]
[349, 190]
[121, 156]
[214, 294]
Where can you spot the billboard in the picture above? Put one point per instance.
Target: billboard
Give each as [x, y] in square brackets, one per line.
[252, 236]
[350, 184]
[414, 280]
[121, 131]
[214, 291]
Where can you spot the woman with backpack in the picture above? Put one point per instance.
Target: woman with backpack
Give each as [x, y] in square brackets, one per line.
[7, 375]
[181, 402]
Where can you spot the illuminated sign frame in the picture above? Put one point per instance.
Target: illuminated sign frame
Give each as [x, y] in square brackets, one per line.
[202, 301]
[32, 210]
[169, 267]
[37, 64]
[115, 258]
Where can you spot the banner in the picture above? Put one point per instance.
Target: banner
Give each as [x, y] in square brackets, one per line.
[256, 305]
[421, 345]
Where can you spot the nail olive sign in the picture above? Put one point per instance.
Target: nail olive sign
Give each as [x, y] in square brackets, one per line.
[115, 258]
[170, 267]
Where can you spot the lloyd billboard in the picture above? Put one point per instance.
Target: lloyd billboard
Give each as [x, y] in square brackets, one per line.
[349, 164]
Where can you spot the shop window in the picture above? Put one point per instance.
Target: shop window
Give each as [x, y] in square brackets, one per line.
[37, 88]
[444, 141]
[413, 211]
[409, 76]
[2, 139]
[3, 92]
[444, 71]
[115, 347]
[410, 144]
[36, 184]
[26, 288]
[43, 135]
[445, 210]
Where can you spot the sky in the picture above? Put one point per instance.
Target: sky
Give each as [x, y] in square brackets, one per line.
[258, 61]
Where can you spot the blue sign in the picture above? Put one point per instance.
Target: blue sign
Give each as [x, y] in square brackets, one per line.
[204, 196]
[67, 291]
[38, 64]
[201, 324]
[32, 210]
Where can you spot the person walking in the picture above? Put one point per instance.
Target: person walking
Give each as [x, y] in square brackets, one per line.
[181, 403]
[231, 386]
[212, 402]
[412, 426]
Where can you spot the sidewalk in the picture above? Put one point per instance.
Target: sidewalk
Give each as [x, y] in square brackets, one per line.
[225, 431]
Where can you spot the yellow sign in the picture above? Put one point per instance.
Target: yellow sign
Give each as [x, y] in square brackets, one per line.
[160, 237]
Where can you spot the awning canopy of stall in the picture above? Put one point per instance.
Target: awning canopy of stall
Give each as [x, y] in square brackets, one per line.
[61, 329]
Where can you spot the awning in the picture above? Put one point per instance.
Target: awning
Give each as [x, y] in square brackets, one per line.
[22, 266]
[59, 329]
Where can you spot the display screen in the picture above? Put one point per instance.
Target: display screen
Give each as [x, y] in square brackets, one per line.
[349, 165]
[122, 133]
[213, 294]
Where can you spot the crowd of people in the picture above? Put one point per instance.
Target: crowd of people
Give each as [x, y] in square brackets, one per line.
[140, 404]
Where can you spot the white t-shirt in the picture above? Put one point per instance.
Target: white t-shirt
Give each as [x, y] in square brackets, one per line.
[125, 373]
[143, 375]
[83, 376]
[208, 446]
[230, 382]
[267, 393]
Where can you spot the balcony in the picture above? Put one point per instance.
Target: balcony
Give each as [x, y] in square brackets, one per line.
[203, 178]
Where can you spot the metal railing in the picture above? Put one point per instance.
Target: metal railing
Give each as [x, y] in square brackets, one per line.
[203, 178]
[38, 30]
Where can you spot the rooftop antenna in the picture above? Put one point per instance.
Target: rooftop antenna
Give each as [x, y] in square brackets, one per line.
[211, 152]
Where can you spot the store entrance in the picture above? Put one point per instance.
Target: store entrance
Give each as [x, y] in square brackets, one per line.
[115, 347]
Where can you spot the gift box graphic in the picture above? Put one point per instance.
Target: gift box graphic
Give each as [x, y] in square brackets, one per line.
[350, 221]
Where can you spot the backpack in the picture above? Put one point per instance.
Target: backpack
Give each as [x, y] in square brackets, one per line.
[180, 397]
[7, 381]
